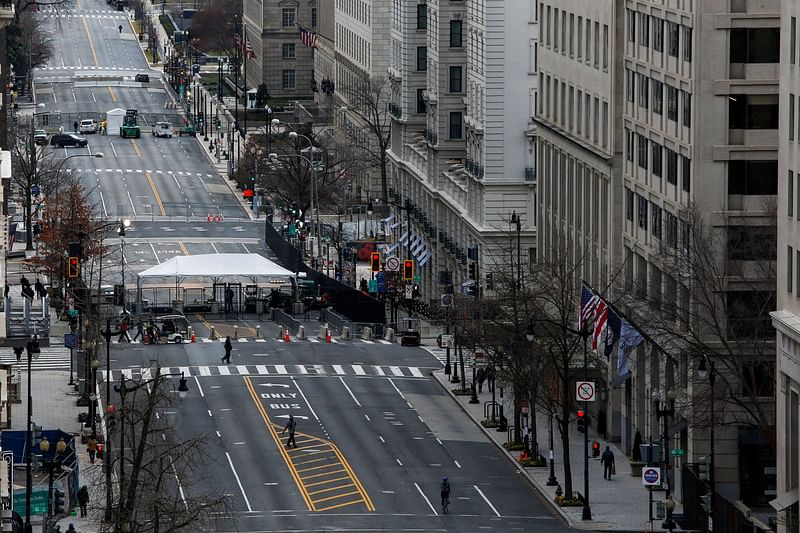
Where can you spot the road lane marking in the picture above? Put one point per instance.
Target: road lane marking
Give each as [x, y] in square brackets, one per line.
[113, 96]
[155, 193]
[91, 43]
[239, 482]
[351, 392]
[136, 147]
[426, 499]
[202, 395]
[130, 198]
[395, 388]
[486, 500]
[306, 399]
[184, 250]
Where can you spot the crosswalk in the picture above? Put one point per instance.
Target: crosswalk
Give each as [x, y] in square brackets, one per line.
[378, 371]
[313, 340]
[50, 358]
[182, 173]
[86, 67]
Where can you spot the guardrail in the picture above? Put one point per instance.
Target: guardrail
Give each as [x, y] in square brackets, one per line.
[287, 321]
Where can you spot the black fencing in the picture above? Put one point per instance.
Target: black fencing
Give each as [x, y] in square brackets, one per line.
[347, 301]
[287, 321]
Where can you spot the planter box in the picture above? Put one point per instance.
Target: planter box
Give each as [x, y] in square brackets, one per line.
[636, 468]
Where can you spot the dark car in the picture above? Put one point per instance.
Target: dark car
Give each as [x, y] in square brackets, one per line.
[144, 78]
[40, 137]
[68, 139]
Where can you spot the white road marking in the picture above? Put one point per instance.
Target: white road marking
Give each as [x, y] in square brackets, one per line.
[239, 482]
[351, 392]
[398, 461]
[359, 370]
[395, 388]
[425, 498]
[199, 387]
[396, 371]
[457, 463]
[486, 500]
[306, 399]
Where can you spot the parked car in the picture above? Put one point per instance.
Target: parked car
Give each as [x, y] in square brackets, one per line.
[162, 129]
[144, 78]
[61, 140]
[88, 126]
[40, 137]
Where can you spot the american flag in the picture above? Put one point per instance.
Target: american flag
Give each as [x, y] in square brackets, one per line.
[600, 321]
[308, 37]
[586, 311]
[244, 46]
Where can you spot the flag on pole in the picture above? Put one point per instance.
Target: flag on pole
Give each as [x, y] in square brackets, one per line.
[612, 332]
[341, 174]
[307, 37]
[586, 311]
[629, 338]
[244, 46]
[600, 321]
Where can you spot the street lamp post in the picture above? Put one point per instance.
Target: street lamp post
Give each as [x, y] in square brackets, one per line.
[52, 465]
[708, 369]
[516, 220]
[122, 224]
[274, 157]
[93, 396]
[32, 348]
[107, 449]
[665, 408]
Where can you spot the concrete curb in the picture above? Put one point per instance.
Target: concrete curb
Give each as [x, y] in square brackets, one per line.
[539, 488]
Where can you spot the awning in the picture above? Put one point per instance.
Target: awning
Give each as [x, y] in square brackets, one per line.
[418, 246]
[786, 500]
[216, 265]
[424, 258]
[394, 225]
[388, 219]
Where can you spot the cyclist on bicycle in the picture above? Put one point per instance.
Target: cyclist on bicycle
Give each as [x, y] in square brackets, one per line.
[445, 490]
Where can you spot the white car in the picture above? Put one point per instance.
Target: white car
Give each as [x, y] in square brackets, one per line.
[162, 129]
[88, 126]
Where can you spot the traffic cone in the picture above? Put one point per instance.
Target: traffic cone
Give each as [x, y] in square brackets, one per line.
[286, 337]
[328, 335]
[208, 218]
[194, 337]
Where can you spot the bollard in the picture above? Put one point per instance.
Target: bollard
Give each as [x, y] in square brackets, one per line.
[346, 333]
[213, 333]
[258, 332]
[301, 333]
[367, 334]
[322, 333]
[279, 333]
[235, 331]
[389, 335]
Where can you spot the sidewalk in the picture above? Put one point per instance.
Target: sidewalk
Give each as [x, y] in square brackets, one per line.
[617, 505]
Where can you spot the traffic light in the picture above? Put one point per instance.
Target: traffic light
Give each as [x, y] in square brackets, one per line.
[375, 261]
[703, 467]
[408, 269]
[58, 502]
[581, 421]
[72, 267]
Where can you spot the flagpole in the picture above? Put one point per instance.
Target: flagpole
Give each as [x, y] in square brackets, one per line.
[244, 59]
[236, 91]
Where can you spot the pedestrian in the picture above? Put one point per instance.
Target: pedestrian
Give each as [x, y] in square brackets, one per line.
[123, 331]
[27, 292]
[91, 448]
[607, 460]
[290, 425]
[120, 28]
[228, 348]
[490, 377]
[139, 330]
[71, 529]
[228, 300]
[83, 499]
[75, 126]
[481, 378]
[24, 281]
[41, 292]
[8, 289]
[61, 129]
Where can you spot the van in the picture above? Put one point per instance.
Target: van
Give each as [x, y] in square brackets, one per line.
[162, 129]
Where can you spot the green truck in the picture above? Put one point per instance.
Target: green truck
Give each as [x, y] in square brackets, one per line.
[130, 128]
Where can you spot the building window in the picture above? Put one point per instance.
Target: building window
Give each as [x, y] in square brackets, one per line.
[671, 229]
[672, 103]
[641, 145]
[687, 109]
[756, 178]
[455, 79]
[656, 221]
[288, 16]
[759, 378]
[658, 97]
[422, 58]
[790, 196]
[755, 45]
[797, 271]
[642, 218]
[753, 111]
[629, 145]
[422, 16]
[789, 269]
[672, 166]
[605, 46]
[658, 35]
[455, 34]
[287, 79]
[752, 243]
[631, 26]
[672, 37]
[656, 157]
[422, 107]
[288, 50]
[455, 128]
[687, 174]
[791, 117]
[630, 85]
[579, 44]
[313, 17]
[628, 204]
[644, 86]
[748, 316]
[793, 41]
[687, 44]
[644, 29]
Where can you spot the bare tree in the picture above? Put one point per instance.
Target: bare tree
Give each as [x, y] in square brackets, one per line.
[215, 27]
[369, 100]
[29, 45]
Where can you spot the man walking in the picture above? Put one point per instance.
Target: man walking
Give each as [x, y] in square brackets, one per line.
[139, 330]
[91, 448]
[228, 348]
[83, 499]
[123, 331]
[41, 292]
[607, 460]
[75, 126]
[290, 425]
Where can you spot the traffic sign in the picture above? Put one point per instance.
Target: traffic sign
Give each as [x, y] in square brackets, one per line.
[678, 452]
[447, 341]
[409, 292]
[70, 340]
[447, 300]
[651, 476]
[524, 408]
[372, 285]
[585, 391]
[479, 359]
[392, 264]
[38, 501]
[35, 190]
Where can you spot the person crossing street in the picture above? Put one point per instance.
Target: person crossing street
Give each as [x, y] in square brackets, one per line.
[228, 348]
[291, 425]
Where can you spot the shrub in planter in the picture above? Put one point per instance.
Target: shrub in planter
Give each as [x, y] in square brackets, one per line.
[513, 447]
[533, 462]
[462, 392]
[563, 501]
[488, 423]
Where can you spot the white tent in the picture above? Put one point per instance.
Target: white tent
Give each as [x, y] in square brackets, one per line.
[216, 266]
[114, 121]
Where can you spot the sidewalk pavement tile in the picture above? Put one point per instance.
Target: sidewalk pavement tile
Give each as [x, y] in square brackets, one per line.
[616, 505]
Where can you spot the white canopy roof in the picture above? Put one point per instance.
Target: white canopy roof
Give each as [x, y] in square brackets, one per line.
[216, 266]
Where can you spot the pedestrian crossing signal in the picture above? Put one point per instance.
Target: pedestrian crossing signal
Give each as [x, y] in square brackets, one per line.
[408, 269]
[72, 267]
[375, 261]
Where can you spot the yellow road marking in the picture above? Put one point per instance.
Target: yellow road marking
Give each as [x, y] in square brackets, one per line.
[360, 487]
[309, 462]
[183, 248]
[136, 148]
[91, 44]
[325, 474]
[113, 96]
[317, 467]
[339, 496]
[338, 505]
[330, 489]
[155, 193]
[316, 483]
[276, 438]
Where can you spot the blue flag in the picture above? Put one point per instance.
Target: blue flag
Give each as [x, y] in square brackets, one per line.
[629, 338]
[612, 332]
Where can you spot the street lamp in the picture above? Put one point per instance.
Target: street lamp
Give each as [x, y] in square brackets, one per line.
[516, 220]
[275, 157]
[107, 449]
[32, 348]
[665, 408]
[707, 369]
[122, 224]
[52, 465]
[93, 396]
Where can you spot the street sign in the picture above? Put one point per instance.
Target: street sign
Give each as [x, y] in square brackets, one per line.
[678, 452]
[70, 340]
[651, 476]
[585, 391]
[392, 264]
[447, 300]
[447, 341]
[35, 190]
[372, 285]
[409, 292]
[479, 359]
[38, 501]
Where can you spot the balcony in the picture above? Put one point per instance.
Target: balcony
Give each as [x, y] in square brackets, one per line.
[530, 174]
[431, 137]
[473, 168]
[395, 110]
